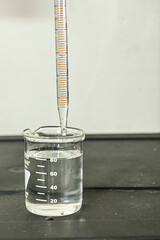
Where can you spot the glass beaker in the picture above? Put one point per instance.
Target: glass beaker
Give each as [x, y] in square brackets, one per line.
[53, 171]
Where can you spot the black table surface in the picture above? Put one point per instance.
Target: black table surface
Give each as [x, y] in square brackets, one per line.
[121, 192]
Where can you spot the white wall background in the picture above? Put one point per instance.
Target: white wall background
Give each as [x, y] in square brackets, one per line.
[114, 65]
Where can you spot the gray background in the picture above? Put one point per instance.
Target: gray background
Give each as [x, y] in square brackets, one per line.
[114, 65]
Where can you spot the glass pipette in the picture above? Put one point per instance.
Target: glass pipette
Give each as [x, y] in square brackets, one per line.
[62, 62]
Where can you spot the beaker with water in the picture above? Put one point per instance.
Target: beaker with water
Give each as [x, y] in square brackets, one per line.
[53, 171]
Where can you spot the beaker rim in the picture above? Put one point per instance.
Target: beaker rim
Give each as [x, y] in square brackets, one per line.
[53, 134]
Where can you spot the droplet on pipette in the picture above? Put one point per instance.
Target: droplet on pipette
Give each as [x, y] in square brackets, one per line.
[64, 132]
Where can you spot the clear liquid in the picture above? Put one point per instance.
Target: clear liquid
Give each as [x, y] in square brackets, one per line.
[53, 182]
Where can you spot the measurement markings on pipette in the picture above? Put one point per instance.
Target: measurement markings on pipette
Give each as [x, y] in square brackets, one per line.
[60, 42]
[61, 38]
[62, 67]
[61, 33]
[63, 94]
[61, 9]
[60, 22]
[63, 100]
[61, 25]
[41, 200]
[60, 19]
[62, 64]
[63, 83]
[58, 5]
[61, 60]
[61, 52]
[61, 28]
[62, 72]
[63, 91]
[60, 15]
[62, 45]
[63, 80]
[62, 56]
[61, 48]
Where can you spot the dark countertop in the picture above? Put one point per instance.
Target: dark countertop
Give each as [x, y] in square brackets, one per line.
[121, 192]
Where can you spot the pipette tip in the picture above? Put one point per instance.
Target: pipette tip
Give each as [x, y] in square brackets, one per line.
[64, 132]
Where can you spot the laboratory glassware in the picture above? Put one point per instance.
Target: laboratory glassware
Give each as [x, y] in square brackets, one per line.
[53, 171]
[62, 62]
